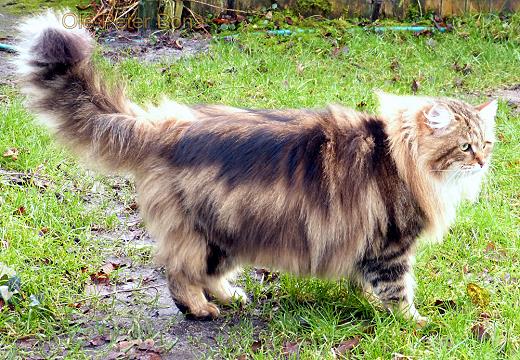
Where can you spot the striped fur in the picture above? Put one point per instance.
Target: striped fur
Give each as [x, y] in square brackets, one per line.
[329, 193]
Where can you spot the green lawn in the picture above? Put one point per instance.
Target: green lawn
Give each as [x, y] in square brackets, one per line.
[305, 318]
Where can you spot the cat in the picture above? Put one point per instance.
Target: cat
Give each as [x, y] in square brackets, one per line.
[331, 193]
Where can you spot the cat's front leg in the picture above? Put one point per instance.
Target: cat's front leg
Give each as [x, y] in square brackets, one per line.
[392, 283]
[403, 304]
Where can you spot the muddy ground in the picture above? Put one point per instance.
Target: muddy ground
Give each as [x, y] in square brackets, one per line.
[116, 45]
[7, 34]
[136, 317]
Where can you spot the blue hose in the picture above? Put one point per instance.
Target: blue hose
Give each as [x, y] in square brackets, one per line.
[377, 29]
[286, 32]
[8, 48]
[407, 28]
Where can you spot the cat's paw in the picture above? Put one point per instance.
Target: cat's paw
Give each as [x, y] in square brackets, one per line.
[239, 294]
[421, 321]
[208, 311]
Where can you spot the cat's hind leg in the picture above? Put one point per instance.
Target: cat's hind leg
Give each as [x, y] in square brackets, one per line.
[189, 297]
[184, 256]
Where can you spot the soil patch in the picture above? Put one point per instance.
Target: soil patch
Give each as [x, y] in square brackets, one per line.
[8, 25]
[165, 47]
[511, 95]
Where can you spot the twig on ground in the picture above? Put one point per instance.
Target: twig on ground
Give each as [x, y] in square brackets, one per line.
[224, 8]
[115, 292]
[23, 178]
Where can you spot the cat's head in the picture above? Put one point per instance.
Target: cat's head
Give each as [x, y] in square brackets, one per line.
[453, 139]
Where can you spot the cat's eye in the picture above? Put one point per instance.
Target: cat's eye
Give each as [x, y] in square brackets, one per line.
[465, 146]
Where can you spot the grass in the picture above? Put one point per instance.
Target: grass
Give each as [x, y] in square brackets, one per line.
[304, 318]
[31, 6]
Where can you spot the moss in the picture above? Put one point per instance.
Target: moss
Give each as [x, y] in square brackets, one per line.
[26, 7]
[310, 7]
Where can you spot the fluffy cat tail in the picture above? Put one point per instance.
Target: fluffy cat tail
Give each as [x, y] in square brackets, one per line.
[66, 92]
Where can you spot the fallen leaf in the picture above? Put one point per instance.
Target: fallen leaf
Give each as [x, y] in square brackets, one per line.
[40, 183]
[115, 355]
[100, 278]
[150, 356]
[397, 356]
[148, 344]
[20, 211]
[288, 20]
[346, 346]
[458, 82]
[415, 86]
[44, 230]
[177, 44]
[11, 153]
[344, 50]
[14, 283]
[75, 305]
[127, 344]
[5, 293]
[83, 7]
[98, 340]
[95, 290]
[444, 305]
[465, 69]
[35, 300]
[256, 345]
[290, 347]
[480, 332]
[425, 32]
[96, 227]
[478, 295]
[485, 316]
[490, 247]
[269, 15]
[26, 342]
[133, 206]
[108, 268]
[220, 21]
[266, 275]
[242, 357]
[5, 271]
[431, 43]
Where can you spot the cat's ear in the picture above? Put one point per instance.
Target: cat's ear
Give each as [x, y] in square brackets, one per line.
[439, 117]
[488, 112]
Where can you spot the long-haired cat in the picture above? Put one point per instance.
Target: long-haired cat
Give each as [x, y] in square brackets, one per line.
[329, 193]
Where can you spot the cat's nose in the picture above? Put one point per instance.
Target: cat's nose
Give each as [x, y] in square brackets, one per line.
[479, 160]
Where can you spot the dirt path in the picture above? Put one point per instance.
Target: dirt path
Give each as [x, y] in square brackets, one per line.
[135, 318]
[7, 32]
[126, 311]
